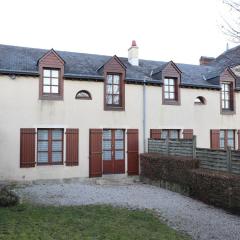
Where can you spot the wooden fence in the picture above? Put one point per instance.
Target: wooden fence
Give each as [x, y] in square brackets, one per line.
[221, 160]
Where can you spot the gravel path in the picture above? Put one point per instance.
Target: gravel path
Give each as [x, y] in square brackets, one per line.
[185, 214]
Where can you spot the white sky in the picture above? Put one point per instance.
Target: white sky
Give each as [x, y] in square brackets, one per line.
[178, 30]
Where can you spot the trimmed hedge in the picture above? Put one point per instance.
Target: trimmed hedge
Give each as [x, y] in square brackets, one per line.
[217, 188]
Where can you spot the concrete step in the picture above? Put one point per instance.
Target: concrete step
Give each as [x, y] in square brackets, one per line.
[116, 180]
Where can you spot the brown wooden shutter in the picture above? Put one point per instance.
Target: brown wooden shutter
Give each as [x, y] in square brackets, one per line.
[215, 133]
[187, 133]
[27, 147]
[132, 152]
[155, 133]
[95, 153]
[72, 140]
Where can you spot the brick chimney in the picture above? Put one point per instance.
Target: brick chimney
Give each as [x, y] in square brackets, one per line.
[205, 60]
[133, 54]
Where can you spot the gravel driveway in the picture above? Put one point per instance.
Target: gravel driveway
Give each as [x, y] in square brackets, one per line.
[185, 214]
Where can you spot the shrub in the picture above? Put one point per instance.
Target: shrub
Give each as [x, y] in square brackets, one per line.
[8, 197]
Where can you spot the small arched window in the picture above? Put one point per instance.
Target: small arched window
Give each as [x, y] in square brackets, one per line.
[83, 94]
[200, 100]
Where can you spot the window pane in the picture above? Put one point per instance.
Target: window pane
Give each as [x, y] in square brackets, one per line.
[230, 143]
[119, 144]
[55, 73]
[107, 134]
[109, 89]
[171, 95]
[165, 81]
[43, 146]
[171, 81]
[173, 134]
[109, 79]
[56, 156]
[166, 88]
[57, 134]
[43, 134]
[230, 133]
[56, 145]
[42, 157]
[107, 155]
[54, 81]
[164, 134]
[46, 89]
[116, 89]
[107, 145]
[109, 99]
[222, 134]
[46, 73]
[116, 79]
[119, 155]
[54, 89]
[222, 143]
[116, 99]
[46, 81]
[171, 89]
[166, 95]
[119, 134]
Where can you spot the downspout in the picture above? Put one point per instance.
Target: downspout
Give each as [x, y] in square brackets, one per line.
[144, 115]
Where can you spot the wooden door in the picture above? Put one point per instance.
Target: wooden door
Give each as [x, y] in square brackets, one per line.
[95, 152]
[113, 151]
[132, 152]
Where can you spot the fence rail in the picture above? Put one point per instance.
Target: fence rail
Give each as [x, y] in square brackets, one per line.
[221, 160]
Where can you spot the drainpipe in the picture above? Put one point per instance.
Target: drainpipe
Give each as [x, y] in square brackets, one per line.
[144, 115]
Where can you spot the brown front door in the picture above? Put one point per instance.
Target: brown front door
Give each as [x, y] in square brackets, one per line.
[113, 151]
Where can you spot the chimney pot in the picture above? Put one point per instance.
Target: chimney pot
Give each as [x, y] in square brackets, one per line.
[134, 44]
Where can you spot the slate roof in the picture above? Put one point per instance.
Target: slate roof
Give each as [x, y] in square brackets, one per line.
[22, 60]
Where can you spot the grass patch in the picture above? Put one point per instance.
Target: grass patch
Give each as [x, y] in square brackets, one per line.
[26, 222]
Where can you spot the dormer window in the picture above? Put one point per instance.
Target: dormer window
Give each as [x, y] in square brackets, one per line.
[114, 85]
[50, 81]
[113, 90]
[227, 96]
[51, 71]
[170, 89]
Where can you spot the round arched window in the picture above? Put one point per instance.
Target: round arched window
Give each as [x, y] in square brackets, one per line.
[83, 94]
[200, 100]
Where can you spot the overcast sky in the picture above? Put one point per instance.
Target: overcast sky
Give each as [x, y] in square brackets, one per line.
[175, 30]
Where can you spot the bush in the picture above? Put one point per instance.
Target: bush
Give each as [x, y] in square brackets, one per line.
[8, 198]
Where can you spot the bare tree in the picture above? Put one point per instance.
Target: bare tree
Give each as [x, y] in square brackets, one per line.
[231, 25]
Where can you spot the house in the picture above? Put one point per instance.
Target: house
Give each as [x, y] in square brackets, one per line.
[70, 115]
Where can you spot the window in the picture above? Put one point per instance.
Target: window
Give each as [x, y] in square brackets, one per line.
[170, 133]
[50, 81]
[227, 138]
[113, 90]
[227, 96]
[200, 100]
[83, 94]
[170, 89]
[50, 146]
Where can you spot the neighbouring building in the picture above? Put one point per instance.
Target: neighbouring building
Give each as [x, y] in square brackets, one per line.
[70, 115]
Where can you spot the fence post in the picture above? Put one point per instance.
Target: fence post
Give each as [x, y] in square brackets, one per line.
[194, 153]
[229, 159]
[167, 145]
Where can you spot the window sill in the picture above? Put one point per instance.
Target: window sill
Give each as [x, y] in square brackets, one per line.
[51, 97]
[50, 164]
[111, 108]
[228, 112]
[170, 102]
